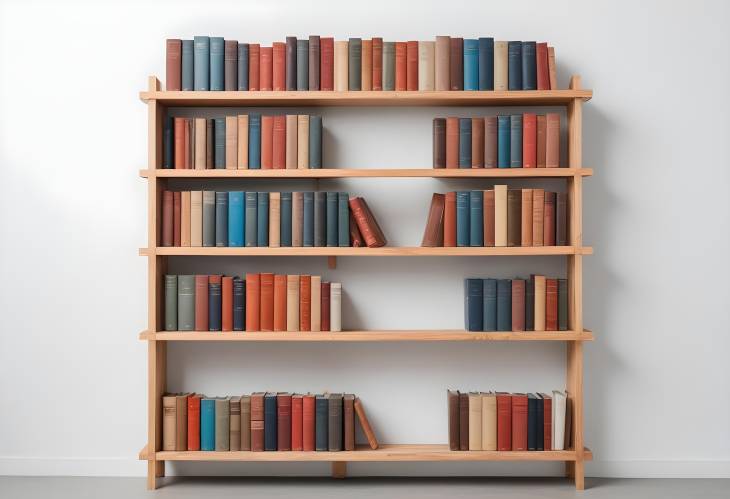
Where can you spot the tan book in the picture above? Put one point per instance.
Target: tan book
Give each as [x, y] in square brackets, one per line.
[538, 209]
[316, 303]
[489, 421]
[169, 421]
[200, 143]
[303, 141]
[442, 72]
[366, 73]
[297, 219]
[500, 65]
[196, 218]
[500, 215]
[426, 65]
[475, 421]
[292, 303]
[181, 422]
[245, 422]
[185, 218]
[231, 142]
[551, 69]
[335, 306]
[341, 74]
[274, 219]
[539, 303]
[242, 129]
[526, 222]
[291, 141]
[190, 160]
[235, 423]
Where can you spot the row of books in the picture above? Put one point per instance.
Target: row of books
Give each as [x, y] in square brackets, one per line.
[534, 304]
[263, 421]
[448, 63]
[509, 421]
[260, 302]
[246, 141]
[267, 219]
[497, 217]
[506, 141]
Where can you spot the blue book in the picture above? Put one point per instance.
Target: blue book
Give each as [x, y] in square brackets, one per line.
[188, 83]
[285, 218]
[270, 434]
[239, 304]
[514, 65]
[250, 220]
[343, 220]
[471, 64]
[235, 219]
[529, 66]
[486, 64]
[263, 219]
[308, 229]
[201, 62]
[504, 305]
[332, 239]
[515, 141]
[221, 219]
[207, 424]
[464, 142]
[321, 420]
[214, 306]
[315, 142]
[217, 52]
[463, 226]
[254, 141]
[243, 66]
[476, 218]
[320, 218]
[168, 158]
[219, 148]
[473, 304]
[489, 314]
[503, 146]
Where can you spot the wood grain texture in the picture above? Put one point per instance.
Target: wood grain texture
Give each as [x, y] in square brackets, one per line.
[374, 172]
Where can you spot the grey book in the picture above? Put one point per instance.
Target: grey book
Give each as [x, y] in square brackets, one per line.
[186, 302]
[320, 218]
[388, 65]
[243, 66]
[170, 303]
[315, 142]
[334, 423]
[291, 62]
[314, 62]
[222, 424]
[354, 64]
[208, 218]
[343, 219]
[302, 64]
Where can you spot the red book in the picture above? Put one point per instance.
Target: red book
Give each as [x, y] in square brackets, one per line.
[519, 421]
[412, 65]
[201, 302]
[227, 304]
[305, 303]
[551, 304]
[167, 218]
[327, 64]
[325, 312]
[518, 304]
[267, 302]
[529, 140]
[176, 212]
[366, 223]
[504, 421]
[308, 422]
[173, 69]
[254, 58]
[180, 125]
[543, 76]
[279, 142]
[267, 142]
[401, 65]
[296, 422]
[283, 421]
[450, 219]
[547, 418]
[280, 302]
[194, 422]
[279, 69]
[356, 240]
[253, 302]
[266, 69]
[377, 64]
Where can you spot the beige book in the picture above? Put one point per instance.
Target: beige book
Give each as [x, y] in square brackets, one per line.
[297, 219]
[500, 65]
[196, 218]
[292, 303]
[274, 219]
[335, 306]
[426, 65]
[526, 222]
[539, 303]
[169, 419]
[366, 73]
[245, 422]
[489, 421]
[303, 141]
[475, 421]
[242, 129]
[235, 423]
[231, 142]
[341, 75]
[442, 69]
[500, 215]
[316, 303]
[552, 73]
[185, 218]
[291, 141]
[538, 209]
[200, 142]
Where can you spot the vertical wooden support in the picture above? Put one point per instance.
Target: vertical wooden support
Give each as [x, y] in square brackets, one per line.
[339, 469]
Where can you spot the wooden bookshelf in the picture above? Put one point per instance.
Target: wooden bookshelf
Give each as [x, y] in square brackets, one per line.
[158, 101]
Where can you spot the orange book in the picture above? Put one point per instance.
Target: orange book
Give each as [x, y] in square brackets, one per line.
[267, 142]
[253, 302]
[279, 69]
[179, 143]
[227, 304]
[194, 422]
[305, 303]
[401, 66]
[297, 413]
[253, 66]
[280, 302]
[529, 140]
[412, 65]
[279, 142]
[450, 220]
[266, 70]
[267, 302]
[452, 142]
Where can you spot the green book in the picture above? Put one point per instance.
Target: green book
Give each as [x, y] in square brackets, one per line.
[354, 64]
[186, 302]
[388, 65]
[170, 303]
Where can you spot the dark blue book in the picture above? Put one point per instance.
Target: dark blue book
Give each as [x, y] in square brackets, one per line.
[473, 304]
[188, 83]
[321, 426]
[254, 141]
[504, 305]
[464, 142]
[515, 141]
[219, 159]
[540, 427]
[262, 219]
[315, 142]
[239, 304]
[489, 314]
[214, 306]
[221, 219]
[476, 218]
[207, 424]
[243, 66]
[514, 65]
[332, 239]
[463, 226]
[343, 219]
[217, 61]
[235, 219]
[503, 145]
[529, 66]
[320, 218]
[285, 218]
[251, 220]
[530, 304]
[308, 229]
[486, 64]
[531, 421]
[471, 64]
[302, 64]
[168, 157]
[270, 435]
[201, 62]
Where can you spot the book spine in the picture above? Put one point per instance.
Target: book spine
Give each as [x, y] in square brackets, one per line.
[251, 219]
[196, 218]
[377, 64]
[315, 303]
[188, 61]
[215, 319]
[354, 64]
[305, 303]
[168, 218]
[388, 65]
[308, 223]
[504, 305]
[207, 424]
[515, 140]
[463, 421]
[450, 219]
[278, 146]
[477, 143]
[471, 64]
[548, 237]
[292, 303]
[348, 424]
[543, 77]
[475, 421]
[285, 235]
[314, 58]
[176, 218]
[452, 142]
[526, 218]
[217, 69]
[302, 64]
[266, 303]
[452, 401]
[321, 424]
[239, 304]
[292, 137]
[231, 142]
[320, 220]
[551, 304]
[334, 424]
[439, 142]
[541, 141]
[539, 303]
[270, 422]
[531, 423]
[486, 63]
[552, 74]
[331, 217]
[514, 217]
[412, 65]
[279, 66]
[514, 65]
[476, 218]
[297, 410]
[291, 62]
[201, 62]
[335, 307]
[168, 155]
[518, 304]
[209, 223]
[235, 424]
[456, 60]
[315, 142]
[220, 143]
[529, 140]
[488, 215]
[186, 303]
[530, 304]
[473, 304]
[463, 225]
[519, 422]
[340, 66]
[222, 424]
[500, 215]
[366, 70]
[257, 422]
[561, 219]
[254, 141]
[539, 423]
[173, 64]
[490, 142]
[297, 229]
[503, 141]
[489, 312]
[193, 422]
[327, 64]
[303, 141]
[280, 302]
[254, 66]
[171, 303]
[547, 422]
[325, 297]
[552, 140]
[529, 66]
[243, 66]
[267, 142]
[274, 219]
[562, 304]
[284, 418]
[262, 219]
[202, 302]
[231, 65]
[209, 143]
[464, 142]
[343, 220]
[308, 422]
[426, 65]
[401, 66]
[442, 69]
[221, 219]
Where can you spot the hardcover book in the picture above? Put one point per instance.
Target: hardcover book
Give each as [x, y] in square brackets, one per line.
[235, 424]
[475, 421]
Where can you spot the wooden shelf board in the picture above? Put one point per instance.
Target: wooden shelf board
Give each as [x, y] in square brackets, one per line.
[367, 336]
[366, 98]
[373, 172]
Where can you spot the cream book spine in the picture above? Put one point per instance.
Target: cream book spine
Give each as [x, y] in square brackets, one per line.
[489, 421]
[500, 215]
[316, 303]
[475, 421]
[341, 73]
[292, 137]
[242, 129]
[292, 303]
[231, 142]
[303, 141]
[185, 218]
[336, 306]
[500, 65]
[559, 405]
[539, 303]
[200, 143]
[274, 219]
[196, 218]
[426, 65]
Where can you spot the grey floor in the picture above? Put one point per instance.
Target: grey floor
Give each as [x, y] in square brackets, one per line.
[356, 488]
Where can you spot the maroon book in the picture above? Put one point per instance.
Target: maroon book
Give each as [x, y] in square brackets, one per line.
[283, 421]
[327, 63]
[504, 421]
[201, 302]
[377, 64]
[254, 61]
[456, 61]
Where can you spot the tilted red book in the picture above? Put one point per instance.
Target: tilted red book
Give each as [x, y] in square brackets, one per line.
[369, 228]
[356, 240]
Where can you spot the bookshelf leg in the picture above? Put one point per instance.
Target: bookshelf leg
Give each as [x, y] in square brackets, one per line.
[570, 469]
[339, 469]
[579, 475]
[151, 475]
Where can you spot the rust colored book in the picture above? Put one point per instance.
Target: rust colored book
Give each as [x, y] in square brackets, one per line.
[280, 302]
[283, 421]
[543, 76]
[266, 69]
[201, 302]
[450, 219]
[452, 142]
[519, 421]
[540, 140]
[327, 64]
[552, 140]
[254, 61]
[366, 73]
[325, 297]
[297, 409]
[173, 71]
[266, 319]
[477, 143]
[548, 238]
[365, 424]
[504, 421]
[456, 63]
[526, 224]
[279, 66]
[463, 421]
[412, 65]
[538, 205]
[257, 421]
[267, 142]
[433, 236]
[529, 140]
[356, 239]
[181, 422]
[547, 421]
[308, 422]
[366, 222]
[488, 218]
[401, 66]
[253, 304]
[227, 304]
[176, 218]
[194, 422]
[179, 125]
[377, 64]
[452, 401]
[518, 304]
[551, 304]
[279, 142]
[490, 142]
[167, 218]
[305, 303]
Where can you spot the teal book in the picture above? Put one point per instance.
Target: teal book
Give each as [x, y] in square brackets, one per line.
[514, 65]
[219, 160]
[515, 141]
[489, 313]
[207, 424]
[320, 218]
[315, 142]
[463, 226]
[285, 219]
[464, 142]
[168, 158]
[221, 219]
[471, 64]
[308, 229]
[235, 219]
[562, 304]
[476, 218]
[251, 219]
[188, 83]
[217, 53]
[354, 64]
[332, 227]
[529, 66]
[201, 62]
[302, 64]
[486, 64]
[503, 145]
[170, 303]
[343, 219]
[473, 304]
[504, 305]
[388, 65]
[263, 219]
[186, 303]
[254, 141]
[208, 218]
[243, 66]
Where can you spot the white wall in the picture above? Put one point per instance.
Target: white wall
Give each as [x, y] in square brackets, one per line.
[73, 211]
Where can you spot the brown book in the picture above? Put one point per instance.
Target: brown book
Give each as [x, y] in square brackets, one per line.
[439, 142]
[305, 303]
[552, 73]
[245, 422]
[443, 70]
[450, 219]
[325, 305]
[514, 217]
[547, 420]
[314, 57]
[568, 433]
[456, 63]
[291, 137]
[185, 219]
[552, 140]
[234, 420]
[401, 65]
[253, 302]
[452, 401]
[257, 421]
[377, 64]
[452, 142]
[167, 218]
[488, 215]
[548, 237]
[279, 142]
[283, 421]
[489, 421]
[181, 422]
[169, 420]
[433, 236]
[267, 142]
[266, 317]
[254, 59]
[541, 138]
[231, 143]
[230, 67]
[348, 402]
[279, 69]
[179, 133]
[280, 302]
[518, 304]
[529, 140]
[365, 424]
[463, 421]
[266, 69]
[538, 205]
[327, 63]
[366, 222]
[201, 302]
[356, 239]
[292, 303]
[519, 421]
[551, 304]
[340, 66]
[561, 219]
[297, 217]
[227, 303]
[412, 65]
[366, 66]
[477, 143]
[526, 224]
[173, 58]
